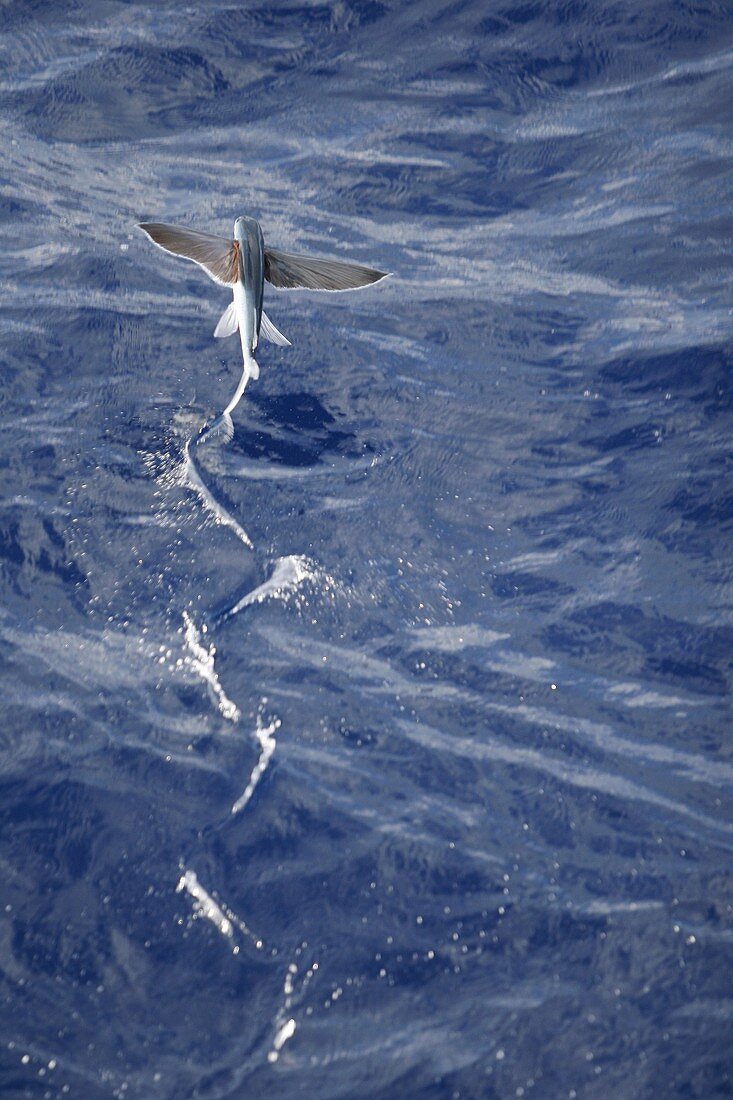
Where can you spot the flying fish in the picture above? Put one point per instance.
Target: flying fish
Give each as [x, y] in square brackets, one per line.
[244, 263]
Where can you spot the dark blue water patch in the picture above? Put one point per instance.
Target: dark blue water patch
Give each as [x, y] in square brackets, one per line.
[313, 23]
[701, 373]
[160, 87]
[101, 271]
[92, 860]
[636, 437]
[30, 547]
[298, 431]
[432, 191]
[115, 96]
[13, 17]
[703, 504]
[236, 31]
[512, 585]
[14, 209]
[631, 642]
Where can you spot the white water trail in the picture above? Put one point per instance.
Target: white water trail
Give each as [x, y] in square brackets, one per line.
[202, 662]
[266, 737]
[285, 1023]
[289, 572]
[195, 481]
[203, 903]
[284, 1032]
[224, 919]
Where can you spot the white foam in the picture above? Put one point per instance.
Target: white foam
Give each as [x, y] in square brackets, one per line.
[281, 1037]
[266, 737]
[202, 662]
[285, 1024]
[221, 916]
[636, 695]
[204, 905]
[289, 572]
[452, 639]
[193, 479]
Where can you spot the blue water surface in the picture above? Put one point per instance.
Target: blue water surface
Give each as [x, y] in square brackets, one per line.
[427, 794]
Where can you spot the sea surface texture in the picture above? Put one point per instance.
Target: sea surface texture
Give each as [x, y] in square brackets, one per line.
[383, 750]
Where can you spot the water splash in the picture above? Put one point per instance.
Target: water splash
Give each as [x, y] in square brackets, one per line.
[288, 574]
[203, 903]
[192, 477]
[202, 662]
[285, 1032]
[285, 1023]
[266, 737]
[224, 919]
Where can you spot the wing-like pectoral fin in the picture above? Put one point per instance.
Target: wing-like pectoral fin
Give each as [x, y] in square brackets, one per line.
[268, 330]
[228, 323]
[218, 256]
[288, 271]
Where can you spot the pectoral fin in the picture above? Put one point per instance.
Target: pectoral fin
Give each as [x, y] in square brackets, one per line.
[288, 271]
[268, 330]
[218, 256]
[228, 323]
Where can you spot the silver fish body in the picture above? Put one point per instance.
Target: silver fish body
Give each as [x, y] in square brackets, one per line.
[250, 285]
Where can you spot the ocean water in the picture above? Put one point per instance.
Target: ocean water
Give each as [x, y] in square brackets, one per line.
[382, 751]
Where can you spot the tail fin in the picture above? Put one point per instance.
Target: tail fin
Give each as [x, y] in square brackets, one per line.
[249, 370]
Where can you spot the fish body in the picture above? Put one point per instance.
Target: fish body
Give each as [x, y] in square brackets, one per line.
[243, 263]
[250, 285]
[248, 292]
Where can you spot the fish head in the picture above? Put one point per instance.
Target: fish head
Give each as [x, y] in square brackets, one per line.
[245, 227]
[248, 234]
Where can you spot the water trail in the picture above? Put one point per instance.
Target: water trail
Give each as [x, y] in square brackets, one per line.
[286, 576]
[281, 1037]
[224, 919]
[202, 662]
[192, 475]
[288, 573]
[268, 743]
[285, 1023]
